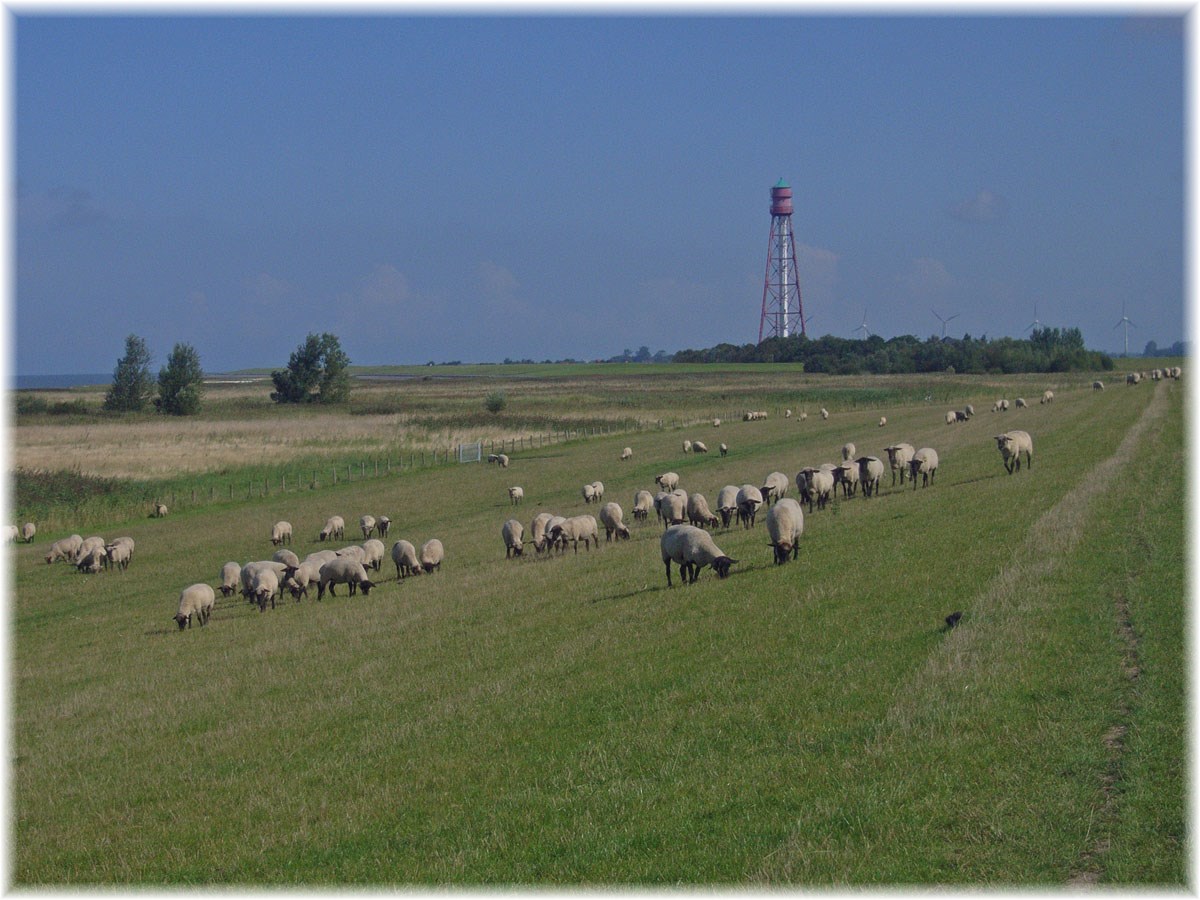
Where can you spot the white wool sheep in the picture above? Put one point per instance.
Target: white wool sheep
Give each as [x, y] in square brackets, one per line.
[818, 487]
[727, 503]
[538, 531]
[672, 507]
[264, 587]
[774, 486]
[502, 459]
[11, 533]
[882, 421]
[1047, 396]
[848, 477]
[343, 570]
[298, 579]
[382, 524]
[1011, 445]
[28, 530]
[281, 533]
[231, 577]
[724, 449]
[64, 548]
[354, 551]
[404, 555]
[117, 555]
[93, 560]
[643, 502]
[787, 413]
[626, 453]
[848, 450]
[612, 516]
[87, 545]
[335, 528]
[699, 447]
[1097, 385]
[969, 409]
[1021, 404]
[513, 534]
[925, 464]
[668, 481]
[824, 413]
[554, 541]
[785, 524]
[432, 554]
[1133, 377]
[698, 513]
[692, 549]
[576, 529]
[597, 491]
[251, 579]
[373, 552]
[687, 446]
[749, 499]
[589, 493]
[159, 511]
[870, 473]
[286, 556]
[516, 494]
[716, 423]
[951, 417]
[367, 524]
[195, 600]
[898, 457]
[803, 415]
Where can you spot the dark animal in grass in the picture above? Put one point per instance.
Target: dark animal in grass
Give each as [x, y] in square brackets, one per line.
[952, 619]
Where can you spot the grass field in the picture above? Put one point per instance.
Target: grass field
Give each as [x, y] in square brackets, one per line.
[572, 721]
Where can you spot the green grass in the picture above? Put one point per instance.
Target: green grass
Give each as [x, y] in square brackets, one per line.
[572, 721]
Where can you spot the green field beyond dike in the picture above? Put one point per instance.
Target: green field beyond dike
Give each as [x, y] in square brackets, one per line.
[566, 719]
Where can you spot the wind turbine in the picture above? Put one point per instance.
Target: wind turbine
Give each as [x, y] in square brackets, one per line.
[944, 320]
[1036, 323]
[863, 327]
[1126, 321]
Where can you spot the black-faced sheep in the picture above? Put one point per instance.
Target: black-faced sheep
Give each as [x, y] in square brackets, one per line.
[537, 531]
[404, 555]
[432, 554]
[612, 516]
[668, 481]
[28, 530]
[925, 464]
[774, 486]
[343, 570]
[870, 473]
[367, 524]
[785, 524]
[692, 549]
[898, 457]
[727, 503]
[1011, 445]
[64, 549]
[231, 576]
[281, 533]
[513, 534]
[334, 529]
[195, 600]
[643, 502]
[576, 529]
[749, 499]
[698, 513]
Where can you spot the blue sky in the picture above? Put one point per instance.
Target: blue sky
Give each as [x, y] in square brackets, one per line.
[475, 187]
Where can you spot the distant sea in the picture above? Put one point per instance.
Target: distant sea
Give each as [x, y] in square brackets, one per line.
[33, 382]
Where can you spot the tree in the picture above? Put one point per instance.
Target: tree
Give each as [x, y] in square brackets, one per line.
[180, 383]
[316, 373]
[495, 402]
[132, 383]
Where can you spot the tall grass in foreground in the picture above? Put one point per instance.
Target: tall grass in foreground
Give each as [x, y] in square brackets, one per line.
[570, 720]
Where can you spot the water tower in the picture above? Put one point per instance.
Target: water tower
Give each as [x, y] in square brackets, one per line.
[782, 312]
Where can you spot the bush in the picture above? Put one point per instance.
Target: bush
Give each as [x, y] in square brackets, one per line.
[495, 402]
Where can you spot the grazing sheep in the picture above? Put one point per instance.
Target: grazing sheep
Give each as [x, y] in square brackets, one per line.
[951, 417]
[117, 555]
[898, 457]
[824, 413]
[819, 488]
[643, 502]
[1097, 385]
[870, 474]
[552, 540]
[28, 530]
[354, 551]
[699, 447]
[672, 507]
[589, 493]
[774, 486]
[160, 510]
[1133, 377]
[848, 450]
[286, 556]
[787, 413]
[611, 516]
[727, 503]
[231, 577]
[923, 463]
[597, 491]
[969, 410]
[1021, 404]
[692, 549]
[1047, 397]
[404, 555]
[716, 423]
[281, 533]
[698, 513]
[335, 529]
[785, 524]
[724, 449]
[502, 459]
[576, 529]
[626, 453]
[87, 545]
[126, 542]
[803, 415]
[11, 533]
[92, 561]
[298, 579]
[367, 524]
[687, 446]
[513, 534]
[64, 548]
[195, 600]
[882, 421]
[382, 524]
[251, 577]
[373, 551]
[749, 499]
[668, 481]
[432, 554]
[848, 477]
[1011, 444]
[264, 587]
[343, 570]
[516, 494]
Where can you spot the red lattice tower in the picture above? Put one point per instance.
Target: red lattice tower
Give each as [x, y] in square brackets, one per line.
[782, 311]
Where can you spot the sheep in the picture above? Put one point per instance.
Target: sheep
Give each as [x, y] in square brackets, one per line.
[848, 450]
[1133, 378]
[264, 586]
[64, 548]
[870, 473]
[882, 421]
[923, 463]
[698, 513]
[195, 600]
[716, 423]
[672, 507]
[516, 494]
[1011, 444]
[643, 502]
[281, 533]
[774, 486]
[1021, 404]
[1097, 385]
[785, 524]
[824, 413]
[11, 533]
[727, 503]
[343, 570]
[117, 555]
[252, 579]
[502, 459]
[611, 516]
[969, 410]
[1047, 397]
[87, 545]
[699, 447]
[231, 576]
[432, 554]
[597, 491]
[692, 549]
[724, 449]
[1003, 406]
[898, 457]
[367, 524]
[335, 528]
[819, 487]
[382, 524]
[803, 415]
[373, 551]
[749, 499]
[555, 541]
[354, 551]
[93, 561]
[298, 579]
[159, 511]
[787, 413]
[28, 530]
[576, 529]
[668, 481]
[286, 556]
[849, 477]
[961, 415]
[687, 446]
[537, 531]
[951, 417]
[513, 534]
[589, 493]
[626, 453]
[404, 555]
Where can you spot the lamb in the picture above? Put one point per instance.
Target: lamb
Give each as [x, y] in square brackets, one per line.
[923, 463]
[692, 549]
[367, 524]
[432, 554]
[727, 503]
[668, 481]
[1021, 404]
[28, 530]
[785, 524]
[373, 551]
[343, 570]
[626, 453]
[516, 494]
[1047, 397]
[281, 533]
[898, 457]
[264, 586]
[672, 507]
[159, 511]
[774, 486]
[576, 529]
[64, 548]
[1011, 444]
[699, 447]
[724, 449]
[404, 555]
[195, 600]
[382, 524]
[513, 534]
[687, 446]
[848, 450]
[870, 473]
[643, 502]
[231, 577]
[611, 515]
[286, 556]
[749, 499]
[335, 528]
[698, 513]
